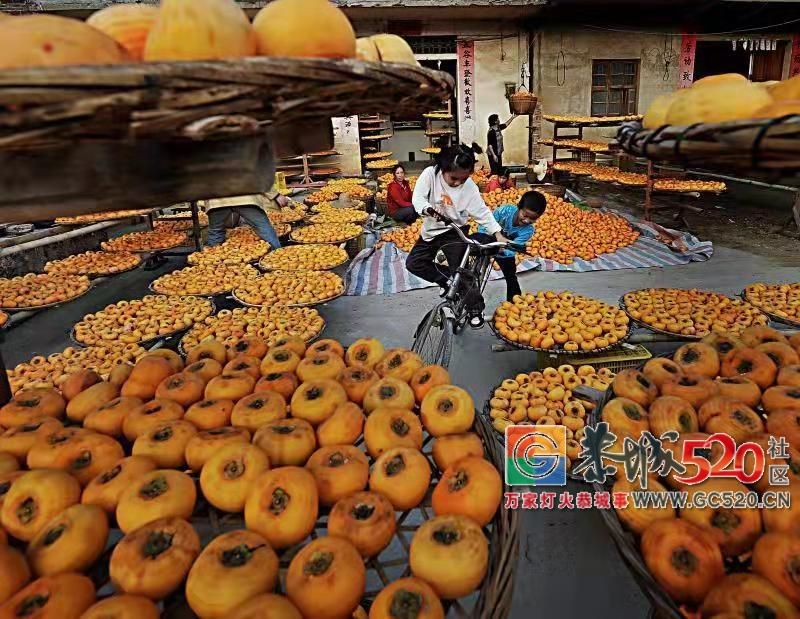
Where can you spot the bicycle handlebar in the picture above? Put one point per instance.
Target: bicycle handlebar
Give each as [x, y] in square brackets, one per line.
[520, 249]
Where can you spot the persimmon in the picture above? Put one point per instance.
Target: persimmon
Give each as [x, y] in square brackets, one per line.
[784, 520]
[208, 349]
[388, 392]
[740, 423]
[161, 493]
[660, 369]
[148, 372]
[77, 382]
[34, 499]
[323, 365]
[761, 334]
[6, 481]
[165, 444]
[250, 346]
[148, 415]
[780, 353]
[626, 417]
[70, 542]
[8, 463]
[315, 401]
[280, 360]
[153, 560]
[452, 447]
[694, 389]
[735, 530]
[14, 571]
[108, 419]
[447, 409]
[229, 474]
[392, 427]
[344, 427]
[269, 605]
[788, 376]
[339, 470]
[243, 363]
[257, 409]
[752, 364]
[669, 413]
[105, 489]
[698, 358]
[402, 475]
[171, 356]
[210, 414]
[28, 405]
[399, 363]
[723, 343]
[19, 440]
[230, 386]
[57, 596]
[470, 487]
[233, 568]
[366, 352]
[123, 606]
[287, 442]
[284, 383]
[739, 388]
[357, 382]
[325, 346]
[451, 554]
[426, 378]
[204, 369]
[205, 444]
[739, 594]
[785, 422]
[776, 557]
[634, 385]
[412, 593]
[282, 506]
[366, 519]
[781, 396]
[637, 519]
[292, 342]
[326, 579]
[185, 389]
[53, 449]
[684, 558]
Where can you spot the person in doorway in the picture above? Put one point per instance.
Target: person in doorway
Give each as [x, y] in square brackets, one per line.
[503, 181]
[252, 209]
[447, 188]
[517, 224]
[398, 198]
[494, 142]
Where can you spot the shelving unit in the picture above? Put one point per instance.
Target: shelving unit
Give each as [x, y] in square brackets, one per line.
[440, 124]
[560, 124]
[372, 130]
[309, 167]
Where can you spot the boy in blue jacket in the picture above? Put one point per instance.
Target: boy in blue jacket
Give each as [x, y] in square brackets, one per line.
[517, 223]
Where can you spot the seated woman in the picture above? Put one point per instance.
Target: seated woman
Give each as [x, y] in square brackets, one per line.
[448, 189]
[398, 198]
[503, 181]
[517, 224]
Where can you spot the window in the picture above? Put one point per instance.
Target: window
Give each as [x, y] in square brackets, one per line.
[615, 85]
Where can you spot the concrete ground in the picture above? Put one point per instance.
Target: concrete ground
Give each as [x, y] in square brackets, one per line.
[561, 552]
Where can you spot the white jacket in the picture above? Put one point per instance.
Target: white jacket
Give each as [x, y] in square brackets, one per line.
[457, 203]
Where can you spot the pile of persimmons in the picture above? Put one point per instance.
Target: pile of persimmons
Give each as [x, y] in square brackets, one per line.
[748, 388]
[566, 232]
[267, 433]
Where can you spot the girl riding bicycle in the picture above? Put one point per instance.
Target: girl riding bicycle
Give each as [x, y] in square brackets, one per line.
[447, 189]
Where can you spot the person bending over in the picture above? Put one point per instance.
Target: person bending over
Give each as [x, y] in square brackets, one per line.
[253, 209]
[517, 223]
[398, 198]
[447, 189]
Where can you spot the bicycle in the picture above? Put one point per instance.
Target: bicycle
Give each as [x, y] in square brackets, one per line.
[463, 302]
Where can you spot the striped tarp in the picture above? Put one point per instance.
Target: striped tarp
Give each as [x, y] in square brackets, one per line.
[383, 271]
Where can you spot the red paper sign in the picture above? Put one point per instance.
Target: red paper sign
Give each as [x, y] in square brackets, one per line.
[686, 60]
[794, 66]
[466, 90]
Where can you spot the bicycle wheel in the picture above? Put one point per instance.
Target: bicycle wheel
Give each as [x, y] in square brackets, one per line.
[433, 340]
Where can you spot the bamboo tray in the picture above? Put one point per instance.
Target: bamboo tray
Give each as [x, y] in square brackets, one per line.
[558, 351]
[218, 125]
[36, 308]
[309, 304]
[770, 315]
[761, 144]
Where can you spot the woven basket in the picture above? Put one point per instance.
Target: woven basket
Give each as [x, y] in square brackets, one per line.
[112, 131]
[760, 144]
[522, 102]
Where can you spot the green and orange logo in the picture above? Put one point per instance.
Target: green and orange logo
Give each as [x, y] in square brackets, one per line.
[536, 455]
